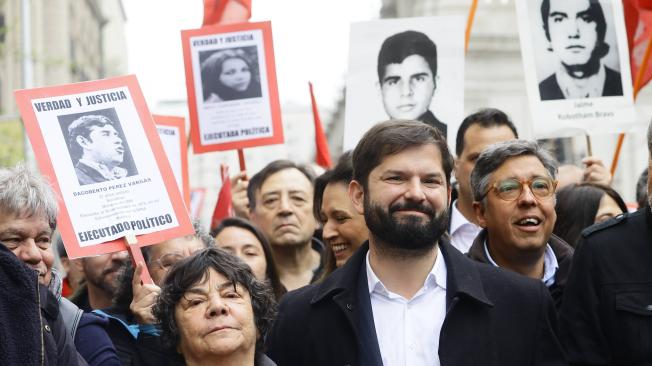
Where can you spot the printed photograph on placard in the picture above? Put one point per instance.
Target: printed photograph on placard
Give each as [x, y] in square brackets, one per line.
[97, 143]
[409, 68]
[97, 146]
[231, 83]
[576, 64]
[230, 74]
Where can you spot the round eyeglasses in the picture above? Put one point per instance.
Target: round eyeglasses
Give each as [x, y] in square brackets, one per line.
[511, 188]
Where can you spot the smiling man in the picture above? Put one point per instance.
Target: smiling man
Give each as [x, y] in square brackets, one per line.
[575, 30]
[407, 297]
[100, 147]
[514, 186]
[280, 204]
[407, 72]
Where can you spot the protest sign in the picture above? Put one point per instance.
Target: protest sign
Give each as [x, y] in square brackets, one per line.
[410, 68]
[231, 82]
[98, 145]
[575, 59]
[172, 131]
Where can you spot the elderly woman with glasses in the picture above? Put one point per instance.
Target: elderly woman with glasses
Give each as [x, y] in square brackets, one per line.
[132, 323]
[214, 311]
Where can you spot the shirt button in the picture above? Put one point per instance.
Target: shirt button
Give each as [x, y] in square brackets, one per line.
[47, 328]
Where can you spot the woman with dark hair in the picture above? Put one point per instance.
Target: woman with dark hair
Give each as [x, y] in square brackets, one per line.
[344, 229]
[213, 311]
[228, 75]
[582, 205]
[131, 321]
[243, 239]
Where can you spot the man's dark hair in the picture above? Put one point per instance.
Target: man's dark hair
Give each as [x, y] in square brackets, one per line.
[274, 167]
[400, 46]
[82, 127]
[487, 117]
[341, 173]
[641, 189]
[392, 137]
[595, 13]
[271, 273]
[195, 269]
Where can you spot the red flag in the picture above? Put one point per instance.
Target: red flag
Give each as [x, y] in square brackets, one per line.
[638, 22]
[226, 11]
[323, 156]
[223, 207]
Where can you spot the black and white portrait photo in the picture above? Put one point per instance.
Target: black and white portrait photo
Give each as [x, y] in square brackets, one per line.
[230, 74]
[576, 45]
[405, 69]
[575, 63]
[97, 146]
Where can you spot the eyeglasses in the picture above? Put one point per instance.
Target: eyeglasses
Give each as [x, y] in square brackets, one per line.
[168, 260]
[511, 189]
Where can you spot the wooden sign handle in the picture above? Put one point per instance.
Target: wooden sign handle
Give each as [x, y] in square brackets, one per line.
[137, 257]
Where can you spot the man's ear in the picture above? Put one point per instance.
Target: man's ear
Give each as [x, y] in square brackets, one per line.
[78, 263]
[82, 141]
[480, 214]
[356, 194]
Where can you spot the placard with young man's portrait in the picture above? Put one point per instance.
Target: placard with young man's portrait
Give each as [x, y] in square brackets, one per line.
[400, 69]
[576, 66]
[97, 143]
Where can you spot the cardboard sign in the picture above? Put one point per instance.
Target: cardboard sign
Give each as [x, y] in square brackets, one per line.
[410, 68]
[576, 65]
[97, 143]
[232, 92]
[172, 131]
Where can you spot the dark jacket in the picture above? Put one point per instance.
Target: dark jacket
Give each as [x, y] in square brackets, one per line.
[59, 346]
[494, 317]
[430, 119]
[613, 87]
[136, 347]
[562, 250]
[20, 326]
[606, 317]
[87, 174]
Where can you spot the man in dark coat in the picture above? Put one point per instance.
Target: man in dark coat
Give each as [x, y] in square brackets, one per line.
[606, 316]
[407, 297]
[513, 184]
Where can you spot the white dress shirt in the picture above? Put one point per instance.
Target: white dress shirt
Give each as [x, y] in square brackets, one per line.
[550, 264]
[463, 231]
[408, 330]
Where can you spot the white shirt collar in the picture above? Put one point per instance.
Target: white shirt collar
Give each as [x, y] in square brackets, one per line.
[550, 264]
[436, 277]
[592, 87]
[457, 219]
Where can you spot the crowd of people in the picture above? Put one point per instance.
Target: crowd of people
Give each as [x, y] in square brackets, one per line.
[401, 254]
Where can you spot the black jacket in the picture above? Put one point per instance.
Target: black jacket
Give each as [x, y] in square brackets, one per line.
[430, 119]
[31, 328]
[606, 317]
[562, 250]
[494, 317]
[136, 348]
[549, 88]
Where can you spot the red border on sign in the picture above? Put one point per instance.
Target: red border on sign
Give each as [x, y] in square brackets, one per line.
[24, 100]
[180, 123]
[275, 107]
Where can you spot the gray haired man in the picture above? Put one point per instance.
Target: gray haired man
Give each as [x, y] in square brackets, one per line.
[606, 316]
[513, 187]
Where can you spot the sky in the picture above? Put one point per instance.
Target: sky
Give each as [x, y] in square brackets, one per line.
[311, 41]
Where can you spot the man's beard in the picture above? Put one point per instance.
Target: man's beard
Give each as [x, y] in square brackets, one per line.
[408, 236]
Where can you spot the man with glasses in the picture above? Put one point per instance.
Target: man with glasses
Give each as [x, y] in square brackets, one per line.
[513, 185]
